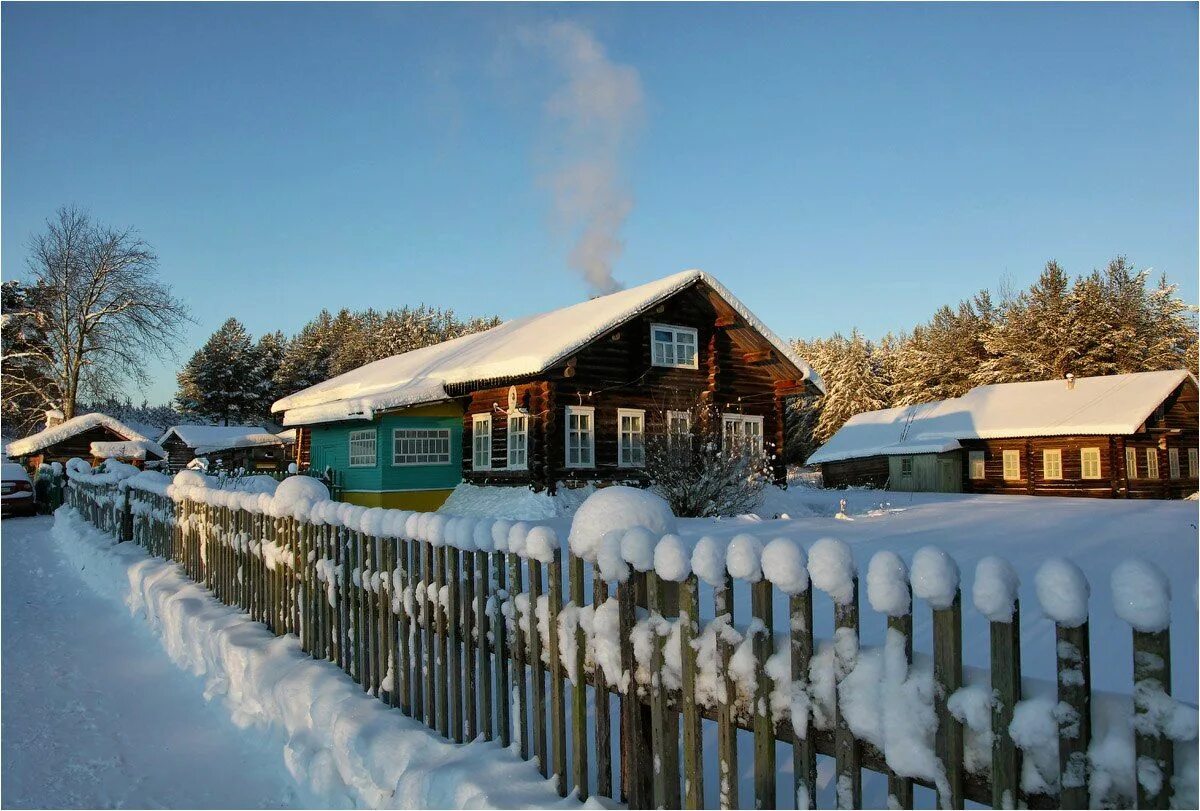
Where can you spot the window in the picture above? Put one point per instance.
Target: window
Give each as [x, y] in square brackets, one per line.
[1151, 463]
[518, 442]
[906, 463]
[1012, 465]
[481, 442]
[1173, 462]
[421, 446]
[581, 436]
[977, 468]
[673, 346]
[743, 433]
[1052, 464]
[679, 425]
[631, 439]
[1089, 462]
[1192, 463]
[1131, 463]
[362, 448]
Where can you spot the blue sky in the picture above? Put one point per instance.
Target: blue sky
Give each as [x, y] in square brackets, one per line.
[835, 165]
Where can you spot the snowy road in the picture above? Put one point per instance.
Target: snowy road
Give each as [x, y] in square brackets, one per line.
[96, 715]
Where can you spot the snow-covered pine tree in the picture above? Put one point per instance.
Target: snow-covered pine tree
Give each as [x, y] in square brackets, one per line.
[219, 381]
[852, 387]
[268, 355]
[307, 357]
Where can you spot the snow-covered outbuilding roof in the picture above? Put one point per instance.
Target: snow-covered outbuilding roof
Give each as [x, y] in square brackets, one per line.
[203, 436]
[69, 428]
[1107, 405]
[523, 346]
[130, 449]
[255, 440]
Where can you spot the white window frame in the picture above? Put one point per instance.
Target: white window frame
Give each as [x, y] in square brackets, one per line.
[1173, 463]
[589, 435]
[1193, 462]
[523, 448]
[430, 435]
[481, 428]
[977, 458]
[1131, 466]
[640, 437]
[1151, 463]
[674, 345]
[1014, 457]
[362, 436]
[1084, 464]
[685, 417]
[745, 420]
[906, 462]
[1052, 454]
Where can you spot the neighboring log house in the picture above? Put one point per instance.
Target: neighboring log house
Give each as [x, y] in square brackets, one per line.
[249, 447]
[570, 395]
[94, 437]
[1124, 436]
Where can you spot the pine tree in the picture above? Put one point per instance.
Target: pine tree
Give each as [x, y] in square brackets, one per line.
[306, 360]
[268, 355]
[219, 382]
[852, 387]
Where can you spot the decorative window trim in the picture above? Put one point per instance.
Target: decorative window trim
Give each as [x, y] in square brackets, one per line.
[1131, 466]
[524, 446]
[675, 331]
[974, 457]
[1084, 453]
[362, 436]
[477, 433]
[744, 419]
[426, 435]
[1052, 454]
[1014, 469]
[590, 412]
[1173, 468]
[1151, 463]
[640, 414]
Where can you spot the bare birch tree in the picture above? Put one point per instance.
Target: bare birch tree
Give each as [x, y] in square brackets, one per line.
[100, 309]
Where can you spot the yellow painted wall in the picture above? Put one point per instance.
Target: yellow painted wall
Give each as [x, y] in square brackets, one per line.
[423, 500]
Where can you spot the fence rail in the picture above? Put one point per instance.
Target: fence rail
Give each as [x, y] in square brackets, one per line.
[448, 637]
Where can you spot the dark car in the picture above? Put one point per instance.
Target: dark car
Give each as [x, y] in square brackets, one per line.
[16, 493]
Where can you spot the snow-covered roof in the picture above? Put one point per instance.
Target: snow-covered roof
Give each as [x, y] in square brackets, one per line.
[1111, 404]
[68, 429]
[523, 346]
[255, 440]
[130, 449]
[198, 436]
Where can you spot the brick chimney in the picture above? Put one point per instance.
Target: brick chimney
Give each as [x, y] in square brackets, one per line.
[54, 417]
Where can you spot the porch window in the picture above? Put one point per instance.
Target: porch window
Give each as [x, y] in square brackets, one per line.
[420, 446]
[743, 433]
[1089, 462]
[1151, 463]
[1173, 462]
[1131, 463]
[977, 469]
[518, 442]
[631, 447]
[581, 436]
[362, 448]
[1052, 464]
[1012, 465]
[673, 346]
[481, 442]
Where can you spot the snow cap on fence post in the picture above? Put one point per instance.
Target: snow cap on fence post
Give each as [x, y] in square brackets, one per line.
[743, 558]
[887, 584]
[500, 529]
[637, 548]
[617, 508]
[784, 564]
[671, 559]
[708, 561]
[831, 569]
[995, 589]
[541, 543]
[483, 535]
[1063, 592]
[613, 567]
[934, 577]
[1141, 595]
[517, 534]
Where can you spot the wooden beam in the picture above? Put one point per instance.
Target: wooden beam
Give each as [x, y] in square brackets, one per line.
[725, 321]
[759, 356]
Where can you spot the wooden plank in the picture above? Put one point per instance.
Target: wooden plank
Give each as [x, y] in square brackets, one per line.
[537, 687]
[804, 751]
[1074, 726]
[847, 752]
[482, 592]
[470, 680]
[404, 630]
[947, 677]
[503, 697]
[443, 674]
[764, 726]
[391, 626]
[520, 721]
[1006, 692]
[455, 682]
[428, 613]
[1152, 679]
[635, 759]
[558, 721]
[693, 742]
[579, 738]
[727, 759]
[662, 747]
[900, 789]
[600, 695]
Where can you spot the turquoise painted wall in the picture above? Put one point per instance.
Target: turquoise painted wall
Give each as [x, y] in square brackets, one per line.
[331, 447]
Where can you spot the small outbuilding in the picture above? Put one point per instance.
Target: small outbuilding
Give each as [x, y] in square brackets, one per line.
[1124, 436]
[91, 436]
[251, 447]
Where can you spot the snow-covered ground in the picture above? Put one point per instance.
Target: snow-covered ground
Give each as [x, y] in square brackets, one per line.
[187, 703]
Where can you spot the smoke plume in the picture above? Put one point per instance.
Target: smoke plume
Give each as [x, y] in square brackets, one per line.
[591, 117]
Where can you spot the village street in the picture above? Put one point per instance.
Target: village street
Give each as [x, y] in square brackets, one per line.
[96, 715]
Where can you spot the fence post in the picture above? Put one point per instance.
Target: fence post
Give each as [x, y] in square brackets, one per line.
[503, 697]
[693, 756]
[126, 517]
[601, 699]
[727, 757]
[804, 751]
[538, 686]
[764, 724]
[665, 746]
[483, 579]
[558, 721]
[846, 747]
[520, 722]
[469, 622]
[456, 682]
[947, 676]
[1151, 680]
[634, 782]
[403, 684]
[579, 748]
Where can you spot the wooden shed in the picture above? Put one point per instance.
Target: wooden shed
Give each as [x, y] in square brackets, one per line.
[183, 443]
[95, 437]
[1126, 436]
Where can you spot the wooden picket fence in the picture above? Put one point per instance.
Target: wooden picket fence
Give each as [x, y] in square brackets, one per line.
[453, 662]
